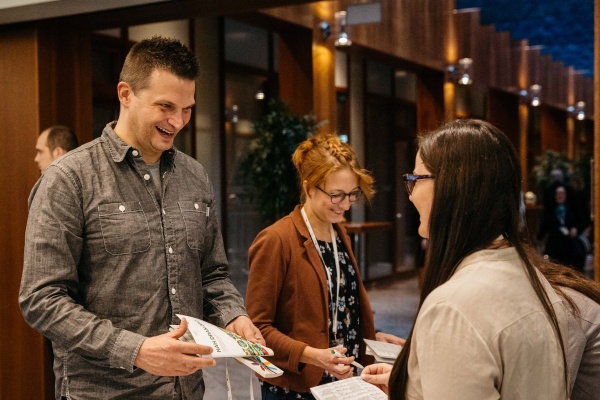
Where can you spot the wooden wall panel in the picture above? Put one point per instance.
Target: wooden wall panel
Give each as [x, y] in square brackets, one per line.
[46, 75]
[21, 348]
[596, 154]
[66, 56]
[324, 97]
[503, 112]
[295, 70]
[430, 113]
[553, 130]
[502, 58]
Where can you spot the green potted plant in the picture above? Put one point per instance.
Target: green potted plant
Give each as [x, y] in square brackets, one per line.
[267, 171]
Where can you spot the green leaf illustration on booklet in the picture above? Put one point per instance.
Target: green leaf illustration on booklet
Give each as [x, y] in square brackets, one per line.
[229, 344]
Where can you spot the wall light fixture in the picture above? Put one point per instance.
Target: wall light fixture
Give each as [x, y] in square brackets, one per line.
[577, 110]
[460, 73]
[343, 40]
[533, 96]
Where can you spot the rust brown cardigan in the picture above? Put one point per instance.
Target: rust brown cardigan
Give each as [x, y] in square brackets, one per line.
[287, 299]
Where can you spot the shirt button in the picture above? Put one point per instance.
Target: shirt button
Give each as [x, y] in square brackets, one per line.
[170, 250]
[121, 208]
[146, 177]
[173, 290]
[135, 153]
[196, 206]
[164, 212]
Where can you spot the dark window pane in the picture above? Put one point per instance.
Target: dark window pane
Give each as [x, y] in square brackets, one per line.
[246, 44]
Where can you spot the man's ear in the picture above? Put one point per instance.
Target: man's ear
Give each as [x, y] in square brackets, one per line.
[57, 152]
[124, 93]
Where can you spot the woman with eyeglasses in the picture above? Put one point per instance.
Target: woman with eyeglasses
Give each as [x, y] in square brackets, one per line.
[489, 325]
[304, 289]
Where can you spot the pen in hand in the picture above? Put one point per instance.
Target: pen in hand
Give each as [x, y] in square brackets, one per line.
[340, 355]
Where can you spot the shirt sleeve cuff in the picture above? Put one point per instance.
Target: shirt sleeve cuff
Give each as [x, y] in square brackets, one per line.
[125, 350]
[230, 315]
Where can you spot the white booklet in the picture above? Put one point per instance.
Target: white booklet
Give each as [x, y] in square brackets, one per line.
[229, 344]
[348, 389]
[382, 351]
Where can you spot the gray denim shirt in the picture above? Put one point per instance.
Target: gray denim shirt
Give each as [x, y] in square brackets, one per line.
[109, 262]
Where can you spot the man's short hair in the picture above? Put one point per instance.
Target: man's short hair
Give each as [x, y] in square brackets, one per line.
[157, 53]
[61, 136]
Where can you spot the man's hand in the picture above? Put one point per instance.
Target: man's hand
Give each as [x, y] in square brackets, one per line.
[244, 327]
[378, 375]
[389, 338]
[166, 355]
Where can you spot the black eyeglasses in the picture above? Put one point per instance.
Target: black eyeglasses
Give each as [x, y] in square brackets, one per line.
[339, 197]
[411, 180]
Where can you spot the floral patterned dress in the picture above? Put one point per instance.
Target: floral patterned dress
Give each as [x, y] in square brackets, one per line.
[348, 316]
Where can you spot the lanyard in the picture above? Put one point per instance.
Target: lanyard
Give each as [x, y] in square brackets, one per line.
[337, 267]
[229, 392]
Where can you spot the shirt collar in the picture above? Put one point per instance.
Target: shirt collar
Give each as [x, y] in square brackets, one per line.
[119, 149]
[508, 253]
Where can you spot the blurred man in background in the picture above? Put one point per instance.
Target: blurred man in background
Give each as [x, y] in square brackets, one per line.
[52, 143]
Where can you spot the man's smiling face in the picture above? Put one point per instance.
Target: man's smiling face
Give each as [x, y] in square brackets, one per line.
[157, 113]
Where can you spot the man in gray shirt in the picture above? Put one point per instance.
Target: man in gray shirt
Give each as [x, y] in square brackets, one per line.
[113, 250]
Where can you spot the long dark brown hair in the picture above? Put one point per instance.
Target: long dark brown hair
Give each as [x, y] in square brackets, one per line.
[476, 199]
[561, 277]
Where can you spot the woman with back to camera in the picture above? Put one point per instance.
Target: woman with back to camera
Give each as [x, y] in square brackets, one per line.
[489, 324]
[304, 290]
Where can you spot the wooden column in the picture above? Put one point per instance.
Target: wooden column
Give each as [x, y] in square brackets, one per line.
[570, 117]
[42, 75]
[570, 137]
[523, 139]
[450, 58]
[523, 82]
[21, 348]
[323, 58]
[449, 101]
[324, 81]
[596, 201]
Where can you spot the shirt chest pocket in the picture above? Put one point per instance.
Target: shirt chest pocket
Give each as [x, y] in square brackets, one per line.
[195, 214]
[124, 227]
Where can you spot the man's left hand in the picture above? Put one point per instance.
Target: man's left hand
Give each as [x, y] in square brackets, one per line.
[244, 327]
